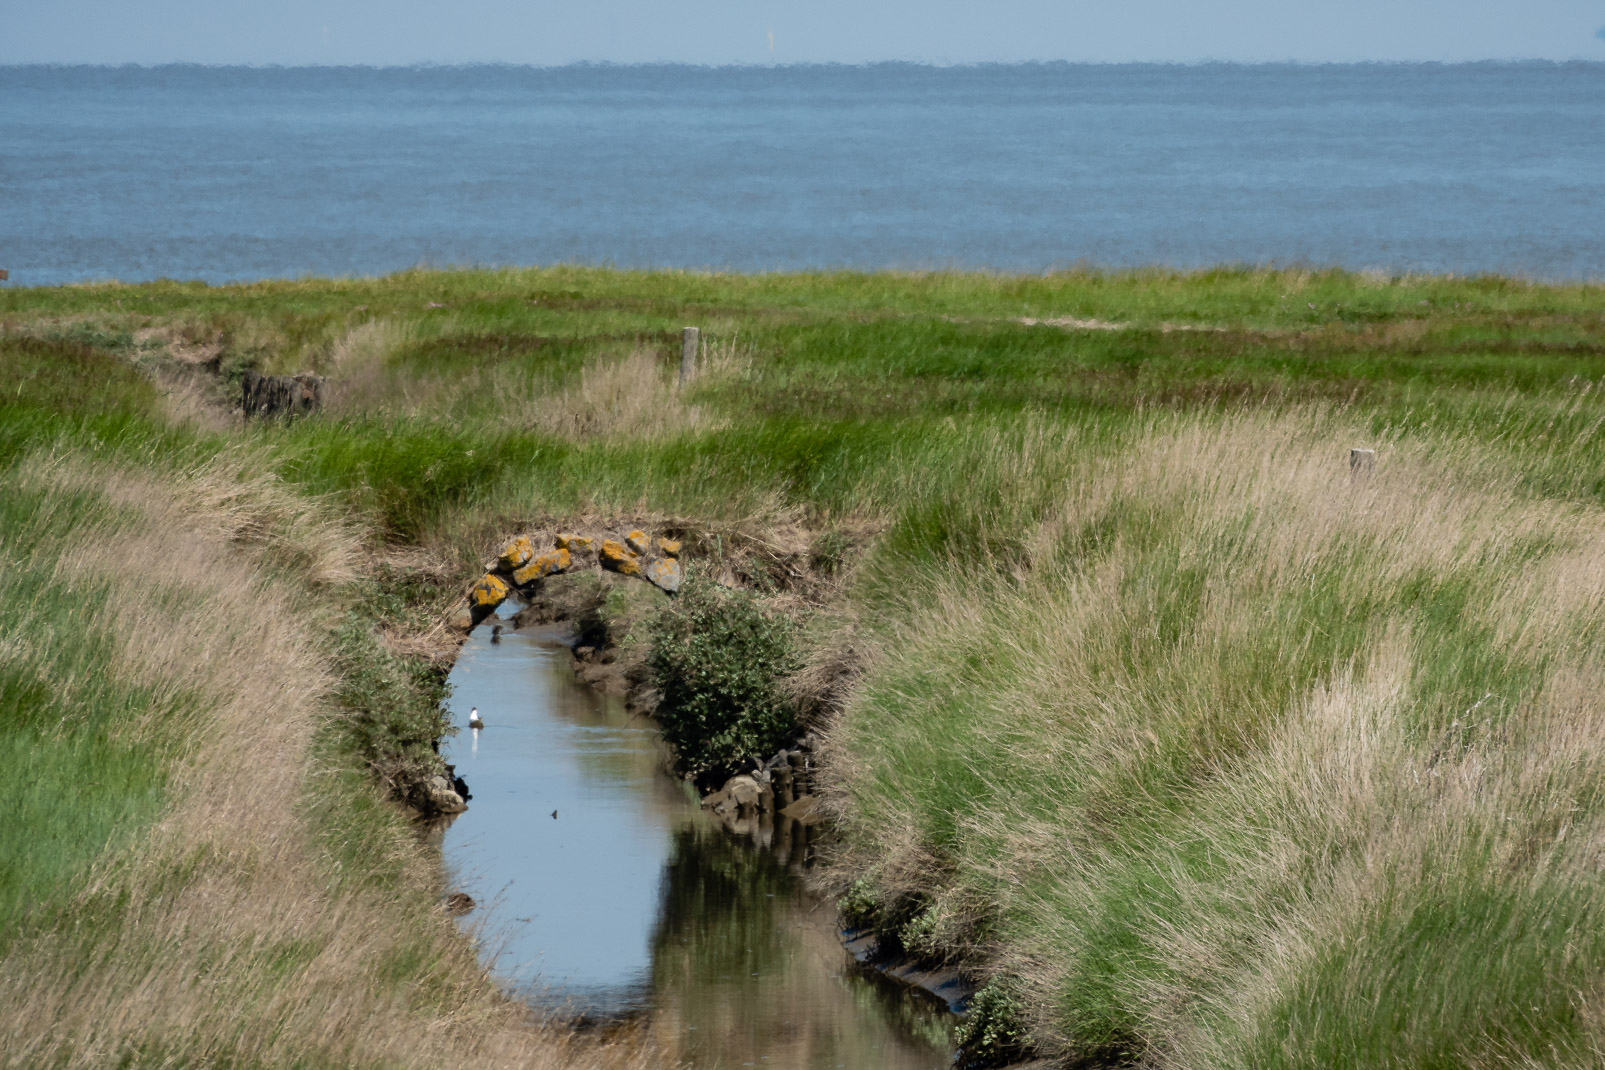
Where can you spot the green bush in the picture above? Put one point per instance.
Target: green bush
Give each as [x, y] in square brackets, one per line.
[717, 656]
[992, 1033]
[858, 906]
[393, 709]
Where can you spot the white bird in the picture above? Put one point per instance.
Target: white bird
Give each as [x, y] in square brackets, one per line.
[473, 718]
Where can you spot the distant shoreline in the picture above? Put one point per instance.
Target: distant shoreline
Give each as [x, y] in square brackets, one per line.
[879, 65]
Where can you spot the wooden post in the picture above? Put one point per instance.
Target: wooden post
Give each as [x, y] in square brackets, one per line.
[1361, 462]
[784, 796]
[799, 774]
[280, 395]
[688, 354]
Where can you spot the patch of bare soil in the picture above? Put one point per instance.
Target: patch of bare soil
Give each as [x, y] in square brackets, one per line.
[1077, 323]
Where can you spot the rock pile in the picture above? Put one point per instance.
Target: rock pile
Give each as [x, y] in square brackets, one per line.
[783, 786]
[520, 566]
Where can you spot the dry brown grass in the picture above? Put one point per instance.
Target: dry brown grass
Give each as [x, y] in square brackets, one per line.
[636, 397]
[239, 936]
[190, 398]
[356, 365]
[633, 394]
[231, 496]
[1271, 720]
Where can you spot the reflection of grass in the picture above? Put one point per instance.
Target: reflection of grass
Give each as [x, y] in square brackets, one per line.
[745, 967]
[717, 918]
[917, 1014]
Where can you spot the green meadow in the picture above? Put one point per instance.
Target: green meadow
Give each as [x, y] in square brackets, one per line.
[1198, 747]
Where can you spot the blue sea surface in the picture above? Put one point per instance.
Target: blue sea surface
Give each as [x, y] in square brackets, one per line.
[224, 173]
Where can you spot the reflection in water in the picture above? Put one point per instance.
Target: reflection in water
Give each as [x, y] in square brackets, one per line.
[630, 900]
[747, 967]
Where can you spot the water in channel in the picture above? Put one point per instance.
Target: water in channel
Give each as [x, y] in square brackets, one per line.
[605, 891]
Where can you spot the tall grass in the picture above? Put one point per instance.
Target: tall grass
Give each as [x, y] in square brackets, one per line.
[1251, 763]
[187, 880]
[187, 883]
[1208, 753]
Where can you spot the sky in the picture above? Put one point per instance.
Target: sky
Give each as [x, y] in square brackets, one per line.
[543, 32]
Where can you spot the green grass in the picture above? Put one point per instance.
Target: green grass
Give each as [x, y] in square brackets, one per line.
[75, 790]
[1217, 756]
[848, 366]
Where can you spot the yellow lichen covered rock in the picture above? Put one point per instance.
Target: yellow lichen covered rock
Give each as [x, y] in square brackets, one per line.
[637, 541]
[516, 553]
[669, 547]
[665, 573]
[566, 541]
[489, 592]
[618, 558]
[543, 565]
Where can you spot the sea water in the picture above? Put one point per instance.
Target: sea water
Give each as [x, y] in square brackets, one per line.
[239, 173]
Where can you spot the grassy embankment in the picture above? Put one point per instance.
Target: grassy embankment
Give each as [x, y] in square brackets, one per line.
[197, 871]
[1210, 754]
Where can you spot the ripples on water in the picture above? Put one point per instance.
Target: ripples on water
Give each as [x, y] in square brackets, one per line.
[227, 173]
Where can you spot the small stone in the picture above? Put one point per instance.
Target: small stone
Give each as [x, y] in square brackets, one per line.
[463, 620]
[616, 558]
[459, 903]
[719, 802]
[638, 541]
[515, 553]
[669, 547]
[441, 796]
[487, 594]
[543, 565]
[583, 652]
[665, 573]
[575, 543]
[744, 792]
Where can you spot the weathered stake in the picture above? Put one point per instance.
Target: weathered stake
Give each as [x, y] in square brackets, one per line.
[688, 354]
[1361, 462]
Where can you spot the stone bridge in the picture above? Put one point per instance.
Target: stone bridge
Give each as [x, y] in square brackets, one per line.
[520, 567]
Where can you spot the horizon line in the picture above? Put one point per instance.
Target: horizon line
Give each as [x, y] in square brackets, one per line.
[433, 65]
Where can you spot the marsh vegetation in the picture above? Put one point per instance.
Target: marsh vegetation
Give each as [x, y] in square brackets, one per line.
[1204, 751]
